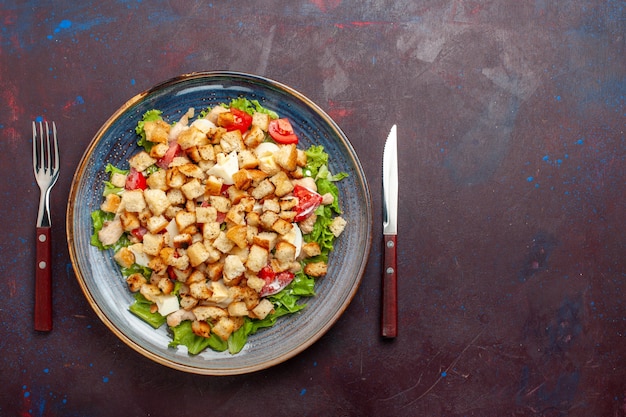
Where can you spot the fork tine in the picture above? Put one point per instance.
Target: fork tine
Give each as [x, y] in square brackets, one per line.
[35, 148]
[48, 152]
[56, 147]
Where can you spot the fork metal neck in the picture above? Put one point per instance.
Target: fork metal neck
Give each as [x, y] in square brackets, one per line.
[43, 215]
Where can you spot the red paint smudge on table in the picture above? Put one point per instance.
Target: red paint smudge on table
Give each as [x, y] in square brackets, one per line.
[326, 5]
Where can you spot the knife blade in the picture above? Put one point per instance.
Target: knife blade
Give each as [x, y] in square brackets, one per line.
[389, 319]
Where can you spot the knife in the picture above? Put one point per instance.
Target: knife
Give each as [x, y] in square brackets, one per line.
[389, 317]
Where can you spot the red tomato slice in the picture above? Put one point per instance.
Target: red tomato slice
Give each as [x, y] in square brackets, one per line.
[308, 201]
[282, 132]
[242, 121]
[139, 232]
[173, 151]
[267, 273]
[135, 180]
[277, 283]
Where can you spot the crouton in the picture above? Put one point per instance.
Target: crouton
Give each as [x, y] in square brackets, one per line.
[141, 160]
[175, 196]
[316, 269]
[192, 171]
[210, 230]
[157, 131]
[255, 283]
[257, 258]
[209, 312]
[261, 120]
[231, 141]
[111, 203]
[157, 265]
[174, 178]
[118, 179]
[197, 254]
[152, 243]
[338, 225]
[213, 185]
[271, 204]
[224, 327]
[206, 214]
[222, 243]
[201, 328]
[159, 150]
[247, 159]
[150, 291]
[206, 152]
[191, 137]
[221, 203]
[157, 180]
[237, 308]
[130, 220]
[133, 201]
[268, 218]
[156, 224]
[301, 158]
[233, 268]
[282, 183]
[311, 249]
[242, 179]
[184, 219]
[253, 219]
[157, 201]
[287, 157]
[124, 257]
[200, 291]
[264, 308]
[165, 285]
[266, 240]
[188, 301]
[284, 252]
[282, 226]
[135, 281]
[264, 189]
[193, 189]
[239, 235]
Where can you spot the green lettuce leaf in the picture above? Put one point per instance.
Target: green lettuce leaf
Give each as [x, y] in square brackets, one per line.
[251, 106]
[150, 115]
[109, 188]
[141, 308]
[98, 218]
[183, 335]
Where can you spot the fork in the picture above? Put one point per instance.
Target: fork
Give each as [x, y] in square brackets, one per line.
[46, 168]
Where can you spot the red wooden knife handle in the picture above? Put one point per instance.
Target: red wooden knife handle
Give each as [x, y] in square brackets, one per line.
[390, 289]
[43, 282]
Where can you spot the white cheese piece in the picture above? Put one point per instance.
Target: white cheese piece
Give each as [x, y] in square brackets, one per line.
[226, 167]
[220, 293]
[294, 236]
[203, 125]
[172, 231]
[141, 258]
[167, 304]
[266, 149]
[265, 154]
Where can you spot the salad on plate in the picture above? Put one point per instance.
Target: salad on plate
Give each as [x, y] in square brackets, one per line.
[220, 223]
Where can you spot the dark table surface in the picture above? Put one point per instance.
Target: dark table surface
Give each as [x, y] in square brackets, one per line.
[512, 262]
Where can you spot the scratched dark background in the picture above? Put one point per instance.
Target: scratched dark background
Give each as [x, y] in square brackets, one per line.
[512, 262]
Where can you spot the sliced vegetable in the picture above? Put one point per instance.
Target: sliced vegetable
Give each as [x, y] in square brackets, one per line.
[135, 180]
[241, 121]
[308, 201]
[282, 132]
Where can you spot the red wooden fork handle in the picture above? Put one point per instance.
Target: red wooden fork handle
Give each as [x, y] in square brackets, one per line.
[43, 281]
